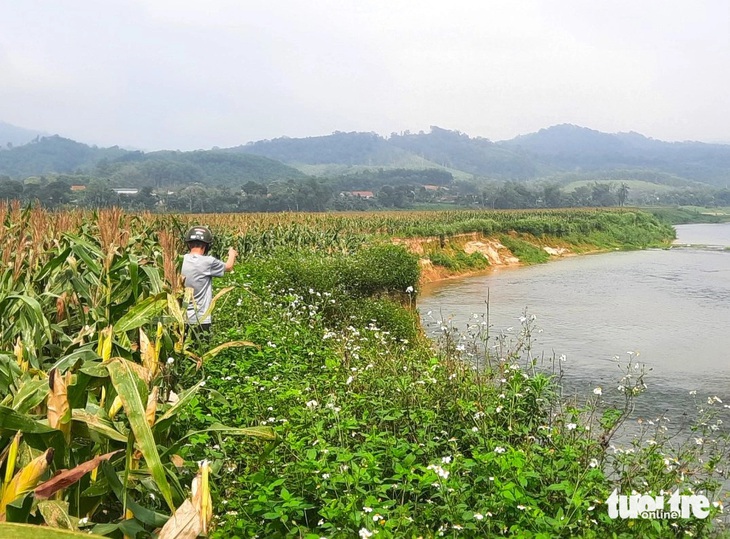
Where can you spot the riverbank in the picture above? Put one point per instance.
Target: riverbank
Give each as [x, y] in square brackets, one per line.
[463, 255]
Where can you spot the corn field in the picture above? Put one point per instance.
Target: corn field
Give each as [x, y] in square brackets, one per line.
[92, 326]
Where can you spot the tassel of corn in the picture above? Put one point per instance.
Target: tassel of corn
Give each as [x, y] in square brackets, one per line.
[26, 479]
[10, 463]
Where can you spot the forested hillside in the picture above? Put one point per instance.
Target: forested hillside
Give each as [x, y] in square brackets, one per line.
[122, 168]
[561, 166]
[338, 148]
[477, 156]
[572, 148]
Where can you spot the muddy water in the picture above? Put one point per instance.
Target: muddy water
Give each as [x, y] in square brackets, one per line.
[669, 308]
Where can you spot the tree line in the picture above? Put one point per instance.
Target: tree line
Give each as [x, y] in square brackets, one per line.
[368, 191]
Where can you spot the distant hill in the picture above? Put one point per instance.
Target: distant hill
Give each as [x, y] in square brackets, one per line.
[210, 167]
[571, 148]
[477, 156]
[560, 154]
[50, 155]
[339, 148]
[11, 135]
[57, 155]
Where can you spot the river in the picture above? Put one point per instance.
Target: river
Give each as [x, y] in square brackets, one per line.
[668, 309]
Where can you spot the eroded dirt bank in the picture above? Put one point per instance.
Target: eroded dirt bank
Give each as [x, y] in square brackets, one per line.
[491, 248]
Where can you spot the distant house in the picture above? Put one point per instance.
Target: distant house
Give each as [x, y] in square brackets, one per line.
[360, 194]
[125, 191]
[78, 188]
[431, 187]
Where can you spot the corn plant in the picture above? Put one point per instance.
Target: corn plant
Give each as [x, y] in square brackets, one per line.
[91, 312]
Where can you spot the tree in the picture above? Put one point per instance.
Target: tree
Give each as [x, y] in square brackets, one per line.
[253, 188]
[98, 194]
[601, 194]
[55, 194]
[552, 196]
[10, 190]
[623, 193]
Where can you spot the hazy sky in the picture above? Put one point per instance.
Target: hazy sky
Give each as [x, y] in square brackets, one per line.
[184, 74]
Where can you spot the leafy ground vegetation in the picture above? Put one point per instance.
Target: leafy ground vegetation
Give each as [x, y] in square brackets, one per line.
[317, 408]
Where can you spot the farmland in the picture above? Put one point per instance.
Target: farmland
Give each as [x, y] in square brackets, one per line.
[318, 408]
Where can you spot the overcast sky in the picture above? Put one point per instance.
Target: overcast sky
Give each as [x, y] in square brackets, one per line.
[184, 74]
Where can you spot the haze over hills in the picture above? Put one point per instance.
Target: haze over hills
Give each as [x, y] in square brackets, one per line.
[560, 154]
[11, 135]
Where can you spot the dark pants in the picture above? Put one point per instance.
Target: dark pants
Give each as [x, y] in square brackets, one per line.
[200, 333]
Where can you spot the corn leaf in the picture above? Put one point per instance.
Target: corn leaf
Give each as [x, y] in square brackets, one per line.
[25, 480]
[30, 395]
[124, 381]
[220, 294]
[183, 400]
[142, 313]
[183, 524]
[14, 421]
[56, 515]
[141, 513]
[98, 424]
[11, 530]
[265, 433]
[210, 354]
[35, 314]
[153, 274]
[68, 477]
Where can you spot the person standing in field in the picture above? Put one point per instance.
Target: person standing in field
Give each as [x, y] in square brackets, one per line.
[198, 269]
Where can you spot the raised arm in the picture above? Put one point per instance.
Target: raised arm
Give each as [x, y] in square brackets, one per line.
[232, 254]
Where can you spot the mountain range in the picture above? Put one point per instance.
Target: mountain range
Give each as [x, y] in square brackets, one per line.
[560, 154]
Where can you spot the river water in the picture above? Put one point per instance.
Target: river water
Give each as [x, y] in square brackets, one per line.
[666, 308]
